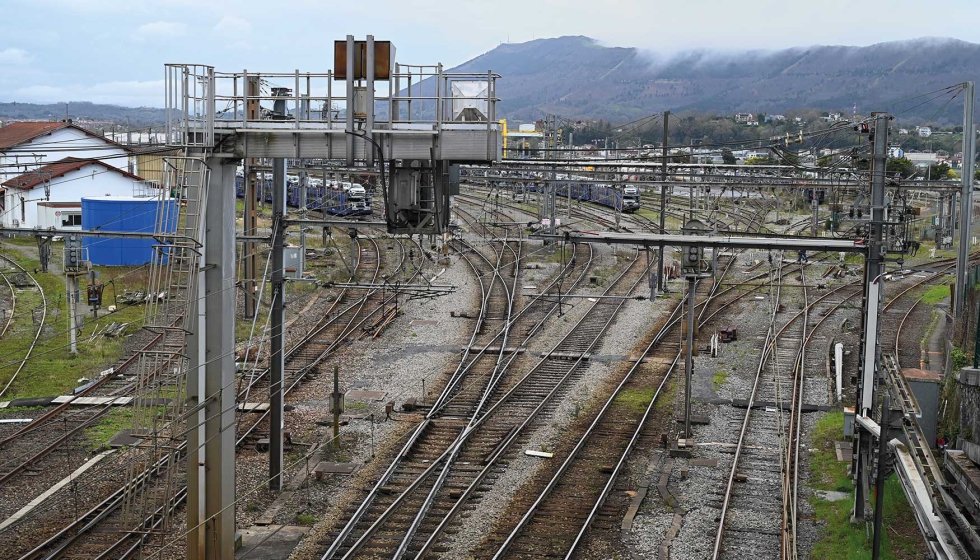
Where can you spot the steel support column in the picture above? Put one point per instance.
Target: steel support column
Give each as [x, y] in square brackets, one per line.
[689, 354]
[369, 90]
[349, 111]
[277, 363]
[196, 439]
[661, 281]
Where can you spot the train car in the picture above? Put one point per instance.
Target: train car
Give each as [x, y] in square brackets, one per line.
[580, 191]
[631, 198]
[348, 199]
[606, 196]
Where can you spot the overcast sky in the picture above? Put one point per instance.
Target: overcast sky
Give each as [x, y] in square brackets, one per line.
[113, 51]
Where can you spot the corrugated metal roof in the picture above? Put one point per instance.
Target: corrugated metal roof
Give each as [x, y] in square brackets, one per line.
[57, 169]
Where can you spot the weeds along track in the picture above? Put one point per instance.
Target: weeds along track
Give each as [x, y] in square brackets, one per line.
[344, 318]
[11, 264]
[552, 519]
[458, 448]
[108, 531]
[496, 266]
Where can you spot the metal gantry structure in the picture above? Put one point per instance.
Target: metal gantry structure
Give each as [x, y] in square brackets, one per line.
[414, 134]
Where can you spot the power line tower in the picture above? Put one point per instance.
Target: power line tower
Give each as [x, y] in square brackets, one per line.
[868, 380]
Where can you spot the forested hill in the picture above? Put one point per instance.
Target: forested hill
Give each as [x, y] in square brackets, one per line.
[83, 111]
[577, 78]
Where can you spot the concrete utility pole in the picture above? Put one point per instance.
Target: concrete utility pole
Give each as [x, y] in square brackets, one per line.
[689, 354]
[277, 364]
[871, 351]
[211, 376]
[966, 202]
[71, 281]
[661, 281]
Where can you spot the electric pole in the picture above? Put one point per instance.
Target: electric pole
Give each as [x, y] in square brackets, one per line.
[870, 351]
[277, 364]
[661, 281]
[966, 202]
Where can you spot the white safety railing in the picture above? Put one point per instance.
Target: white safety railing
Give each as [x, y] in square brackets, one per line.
[199, 100]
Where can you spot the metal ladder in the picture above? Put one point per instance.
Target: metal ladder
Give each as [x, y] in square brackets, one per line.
[158, 408]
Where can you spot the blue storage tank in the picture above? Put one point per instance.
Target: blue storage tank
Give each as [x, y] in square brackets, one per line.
[122, 213]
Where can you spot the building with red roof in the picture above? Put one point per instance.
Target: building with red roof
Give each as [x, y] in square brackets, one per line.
[51, 195]
[36, 154]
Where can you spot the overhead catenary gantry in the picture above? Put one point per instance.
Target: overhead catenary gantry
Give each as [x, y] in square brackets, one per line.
[412, 132]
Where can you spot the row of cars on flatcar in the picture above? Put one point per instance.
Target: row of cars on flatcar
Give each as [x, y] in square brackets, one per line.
[625, 199]
[339, 198]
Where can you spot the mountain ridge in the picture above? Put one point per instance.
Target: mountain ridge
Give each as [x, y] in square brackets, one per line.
[577, 77]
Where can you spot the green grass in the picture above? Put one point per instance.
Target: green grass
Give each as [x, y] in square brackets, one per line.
[665, 402]
[115, 420]
[636, 400]
[52, 370]
[305, 519]
[839, 538]
[936, 294]
[719, 379]
[828, 472]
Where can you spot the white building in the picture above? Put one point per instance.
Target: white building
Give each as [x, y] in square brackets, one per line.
[924, 131]
[744, 117]
[27, 146]
[51, 195]
[922, 159]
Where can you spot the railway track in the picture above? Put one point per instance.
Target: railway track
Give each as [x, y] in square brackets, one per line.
[749, 510]
[574, 499]
[341, 321]
[40, 323]
[107, 531]
[11, 310]
[754, 515]
[465, 393]
[509, 420]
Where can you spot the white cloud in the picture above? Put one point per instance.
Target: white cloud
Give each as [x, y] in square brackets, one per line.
[159, 30]
[13, 56]
[231, 26]
[133, 93]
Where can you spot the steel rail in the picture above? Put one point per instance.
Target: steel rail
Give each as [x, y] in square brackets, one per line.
[13, 305]
[766, 350]
[355, 312]
[327, 321]
[445, 396]
[495, 377]
[461, 369]
[40, 327]
[518, 430]
[419, 430]
[672, 321]
[702, 320]
[113, 503]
